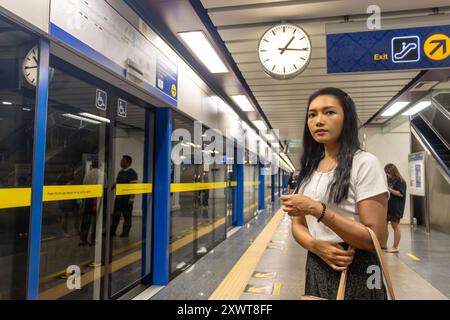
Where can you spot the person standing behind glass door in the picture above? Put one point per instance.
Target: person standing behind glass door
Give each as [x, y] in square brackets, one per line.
[92, 206]
[123, 205]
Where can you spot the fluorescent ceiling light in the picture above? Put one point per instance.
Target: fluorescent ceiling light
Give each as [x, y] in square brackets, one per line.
[243, 103]
[417, 108]
[275, 145]
[93, 116]
[6, 103]
[72, 116]
[396, 107]
[269, 137]
[260, 124]
[200, 45]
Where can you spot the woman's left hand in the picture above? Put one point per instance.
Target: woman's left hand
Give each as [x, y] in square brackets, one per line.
[300, 205]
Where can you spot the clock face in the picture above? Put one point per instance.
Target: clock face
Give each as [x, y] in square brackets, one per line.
[30, 66]
[284, 51]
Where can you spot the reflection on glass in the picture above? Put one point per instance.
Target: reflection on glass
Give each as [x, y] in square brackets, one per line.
[75, 167]
[198, 204]
[132, 202]
[17, 108]
[251, 187]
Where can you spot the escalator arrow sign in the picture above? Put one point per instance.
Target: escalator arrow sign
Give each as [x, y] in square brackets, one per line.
[437, 47]
[440, 43]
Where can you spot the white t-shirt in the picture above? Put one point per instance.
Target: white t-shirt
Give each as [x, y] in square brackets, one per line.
[367, 179]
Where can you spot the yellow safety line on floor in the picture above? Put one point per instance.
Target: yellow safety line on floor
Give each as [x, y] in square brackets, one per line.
[174, 246]
[232, 287]
[62, 290]
[276, 289]
[117, 252]
[409, 254]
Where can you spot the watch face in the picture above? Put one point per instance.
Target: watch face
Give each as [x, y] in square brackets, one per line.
[284, 51]
[30, 66]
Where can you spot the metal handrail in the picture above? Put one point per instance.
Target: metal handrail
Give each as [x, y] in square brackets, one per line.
[430, 148]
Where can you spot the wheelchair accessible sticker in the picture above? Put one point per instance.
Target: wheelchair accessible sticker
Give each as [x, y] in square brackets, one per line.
[101, 99]
[122, 107]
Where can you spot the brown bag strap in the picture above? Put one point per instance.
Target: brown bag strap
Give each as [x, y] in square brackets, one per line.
[342, 282]
[383, 265]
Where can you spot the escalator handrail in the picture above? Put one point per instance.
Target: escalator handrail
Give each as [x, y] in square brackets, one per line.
[436, 104]
[432, 128]
[430, 148]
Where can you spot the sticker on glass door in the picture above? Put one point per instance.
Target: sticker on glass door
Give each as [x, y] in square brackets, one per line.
[101, 99]
[122, 108]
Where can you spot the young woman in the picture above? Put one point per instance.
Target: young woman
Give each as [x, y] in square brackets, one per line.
[341, 189]
[396, 204]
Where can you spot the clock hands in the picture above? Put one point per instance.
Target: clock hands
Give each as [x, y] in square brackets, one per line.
[293, 49]
[282, 50]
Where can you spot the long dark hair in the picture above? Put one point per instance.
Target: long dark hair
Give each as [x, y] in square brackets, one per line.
[393, 172]
[313, 152]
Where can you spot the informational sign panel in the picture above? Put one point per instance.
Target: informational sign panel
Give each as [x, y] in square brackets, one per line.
[166, 76]
[416, 162]
[396, 49]
[99, 32]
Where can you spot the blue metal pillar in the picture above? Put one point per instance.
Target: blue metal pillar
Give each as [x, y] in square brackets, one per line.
[234, 216]
[272, 179]
[161, 192]
[37, 187]
[261, 202]
[240, 189]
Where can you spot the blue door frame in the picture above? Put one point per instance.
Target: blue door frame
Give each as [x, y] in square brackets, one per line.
[37, 187]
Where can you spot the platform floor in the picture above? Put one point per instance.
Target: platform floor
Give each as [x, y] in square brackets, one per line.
[262, 261]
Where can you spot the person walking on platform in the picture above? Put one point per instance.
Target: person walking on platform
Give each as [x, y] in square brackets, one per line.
[396, 205]
[123, 205]
[341, 191]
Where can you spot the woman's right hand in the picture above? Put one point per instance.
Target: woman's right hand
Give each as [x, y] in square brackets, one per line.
[333, 254]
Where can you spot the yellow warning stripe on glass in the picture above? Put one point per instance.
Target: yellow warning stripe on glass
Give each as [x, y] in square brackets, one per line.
[58, 193]
[133, 188]
[186, 187]
[21, 197]
[233, 184]
[15, 197]
[251, 183]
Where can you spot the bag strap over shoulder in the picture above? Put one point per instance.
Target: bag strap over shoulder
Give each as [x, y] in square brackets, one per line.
[383, 265]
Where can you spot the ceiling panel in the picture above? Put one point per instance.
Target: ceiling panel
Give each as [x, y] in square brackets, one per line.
[241, 23]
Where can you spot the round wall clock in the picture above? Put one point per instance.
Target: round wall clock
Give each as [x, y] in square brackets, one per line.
[30, 66]
[284, 51]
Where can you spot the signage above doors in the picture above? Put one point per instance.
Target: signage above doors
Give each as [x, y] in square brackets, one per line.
[396, 49]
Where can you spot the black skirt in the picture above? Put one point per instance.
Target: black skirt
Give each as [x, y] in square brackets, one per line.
[363, 283]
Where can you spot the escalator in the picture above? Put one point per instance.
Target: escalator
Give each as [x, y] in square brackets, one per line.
[430, 130]
[435, 144]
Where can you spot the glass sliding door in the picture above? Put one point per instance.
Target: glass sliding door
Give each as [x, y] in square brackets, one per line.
[130, 226]
[98, 175]
[19, 56]
[75, 188]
